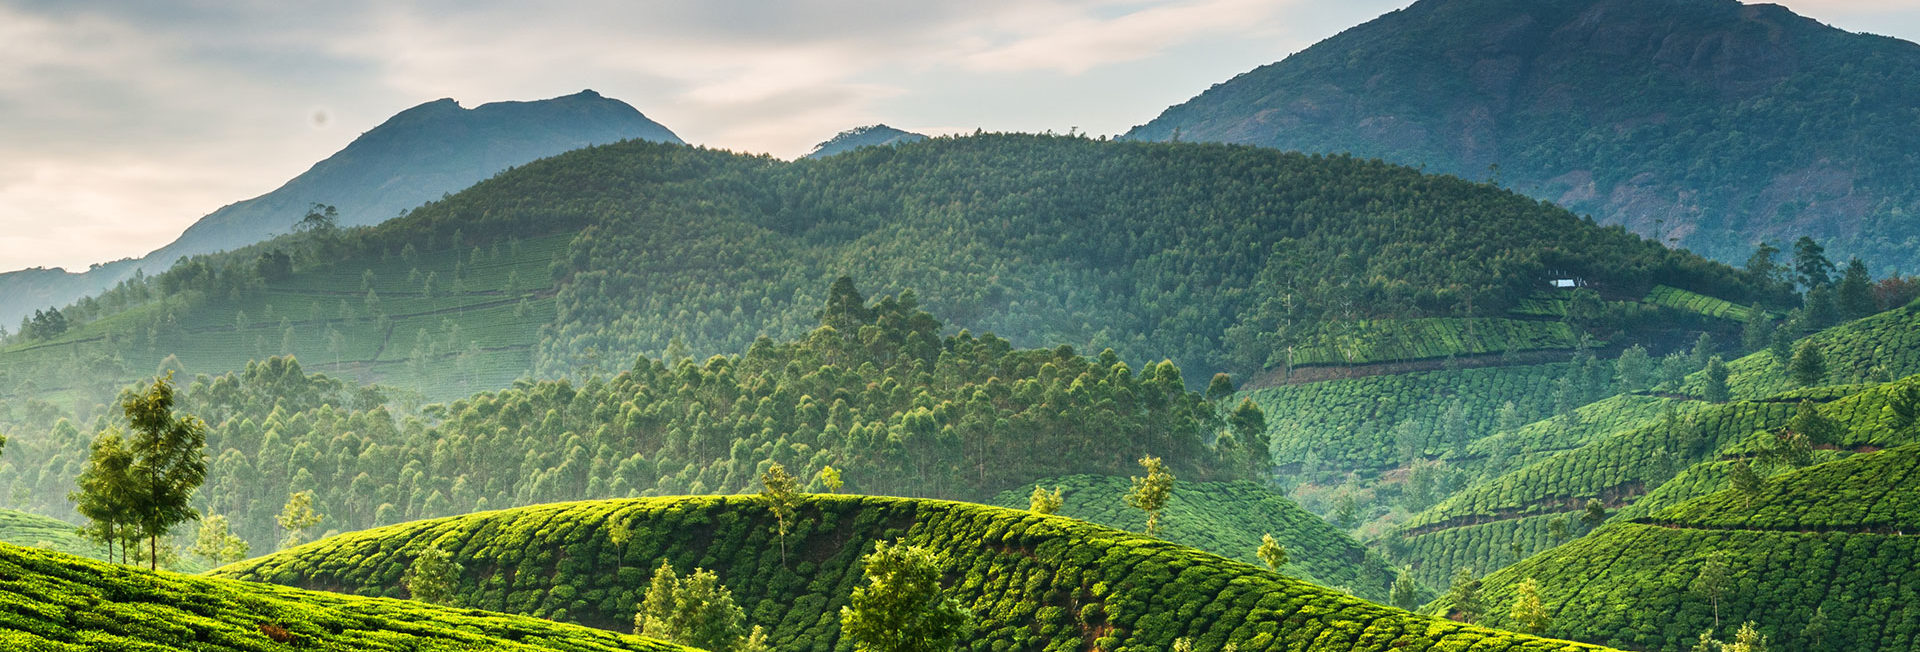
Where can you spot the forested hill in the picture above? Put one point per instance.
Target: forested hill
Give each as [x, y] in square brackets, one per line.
[868, 136]
[1221, 258]
[1032, 582]
[1710, 122]
[419, 154]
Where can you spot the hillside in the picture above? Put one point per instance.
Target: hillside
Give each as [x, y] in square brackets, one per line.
[36, 531]
[875, 391]
[1832, 543]
[1033, 582]
[1712, 123]
[858, 137]
[60, 603]
[584, 261]
[1228, 519]
[419, 154]
[1651, 461]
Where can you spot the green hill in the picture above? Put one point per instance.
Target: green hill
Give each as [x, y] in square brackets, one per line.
[1648, 464]
[1229, 519]
[52, 602]
[1220, 258]
[1713, 123]
[36, 531]
[876, 391]
[1033, 582]
[1832, 542]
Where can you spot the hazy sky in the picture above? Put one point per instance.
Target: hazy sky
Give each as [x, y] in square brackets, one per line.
[121, 122]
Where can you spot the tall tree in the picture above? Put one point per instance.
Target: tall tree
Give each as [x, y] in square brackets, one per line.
[1714, 390]
[1748, 639]
[1271, 552]
[1744, 481]
[1853, 297]
[1634, 369]
[1529, 612]
[1761, 265]
[216, 543]
[1714, 580]
[1464, 595]
[903, 608]
[781, 491]
[1596, 514]
[169, 461]
[829, 479]
[1757, 332]
[1404, 594]
[1249, 425]
[1808, 366]
[1810, 263]
[297, 517]
[106, 494]
[1150, 494]
[433, 576]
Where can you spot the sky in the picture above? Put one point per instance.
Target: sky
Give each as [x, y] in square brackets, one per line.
[123, 121]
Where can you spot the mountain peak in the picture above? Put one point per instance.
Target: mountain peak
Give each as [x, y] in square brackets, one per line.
[868, 136]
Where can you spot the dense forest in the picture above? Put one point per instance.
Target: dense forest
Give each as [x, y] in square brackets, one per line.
[875, 392]
[1220, 258]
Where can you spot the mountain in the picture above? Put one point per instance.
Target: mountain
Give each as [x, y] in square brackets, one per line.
[868, 136]
[417, 155]
[61, 603]
[1228, 519]
[1823, 558]
[1254, 262]
[1032, 582]
[1710, 123]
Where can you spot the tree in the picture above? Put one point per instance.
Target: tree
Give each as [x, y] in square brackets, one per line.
[320, 218]
[1819, 311]
[1529, 613]
[1220, 387]
[1404, 594]
[168, 462]
[1748, 639]
[903, 608]
[1853, 297]
[1249, 425]
[1703, 349]
[296, 518]
[1761, 265]
[433, 576]
[1744, 481]
[1596, 514]
[1714, 389]
[1780, 346]
[1045, 502]
[106, 494]
[829, 479]
[1507, 418]
[1271, 552]
[696, 611]
[1715, 578]
[1815, 633]
[1810, 263]
[217, 544]
[1150, 494]
[1464, 595]
[1557, 529]
[1634, 369]
[1808, 366]
[782, 495]
[1757, 332]
[1346, 510]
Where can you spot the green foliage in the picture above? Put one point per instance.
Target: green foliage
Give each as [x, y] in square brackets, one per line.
[296, 517]
[1042, 501]
[782, 493]
[1232, 520]
[1715, 387]
[166, 462]
[1529, 613]
[1271, 552]
[434, 575]
[1150, 494]
[1808, 367]
[903, 607]
[1679, 299]
[61, 603]
[1032, 581]
[216, 544]
[695, 610]
[1463, 598]
[36, 531]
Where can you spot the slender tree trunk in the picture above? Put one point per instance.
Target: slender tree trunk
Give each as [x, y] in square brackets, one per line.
[153, 553]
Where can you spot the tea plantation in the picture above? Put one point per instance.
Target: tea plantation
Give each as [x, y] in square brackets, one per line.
[36, 531]
[53, 602]
[1229, 519]
[1825, 558]
[1033, 582]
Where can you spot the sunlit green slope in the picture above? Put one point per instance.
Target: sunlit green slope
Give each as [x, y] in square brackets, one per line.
[1824, 558]
[52, 602]
[1034, 582]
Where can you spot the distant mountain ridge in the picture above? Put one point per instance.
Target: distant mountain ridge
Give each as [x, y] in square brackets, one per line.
[1707, 122]
[868, 136]
[417, 155]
